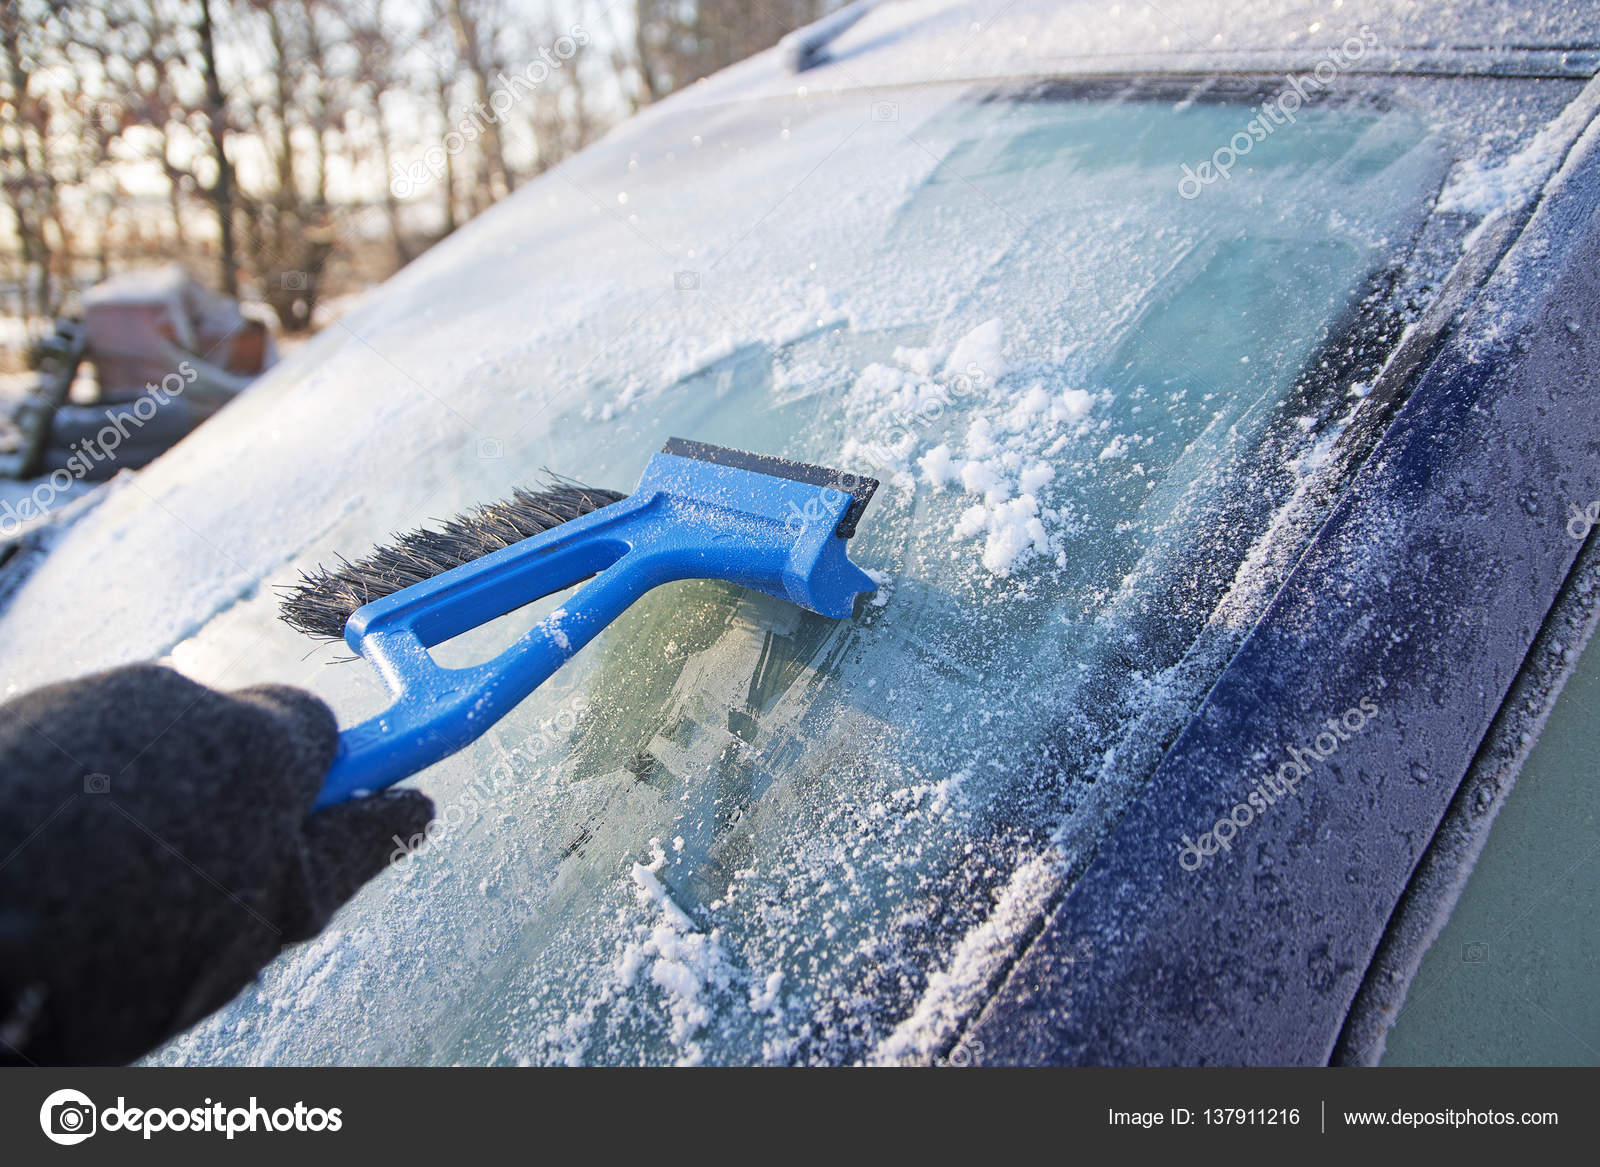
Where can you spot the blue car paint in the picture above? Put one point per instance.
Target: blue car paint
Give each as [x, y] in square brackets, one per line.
[1423, 591]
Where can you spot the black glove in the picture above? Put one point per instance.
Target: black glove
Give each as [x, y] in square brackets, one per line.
[156, 850]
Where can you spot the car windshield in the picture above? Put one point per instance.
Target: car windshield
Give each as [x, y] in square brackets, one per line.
[729, 830]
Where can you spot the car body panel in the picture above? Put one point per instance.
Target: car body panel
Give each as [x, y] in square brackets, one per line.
[1424, 592]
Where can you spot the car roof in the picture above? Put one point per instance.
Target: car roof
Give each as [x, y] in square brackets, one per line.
[916, 42]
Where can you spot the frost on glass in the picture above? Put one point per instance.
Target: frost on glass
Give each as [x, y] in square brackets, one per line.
[734, 831]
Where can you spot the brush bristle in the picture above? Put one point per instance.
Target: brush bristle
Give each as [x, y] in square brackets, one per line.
[324, 599]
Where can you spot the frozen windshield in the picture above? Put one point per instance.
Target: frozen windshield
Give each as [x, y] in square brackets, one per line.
[734, 831]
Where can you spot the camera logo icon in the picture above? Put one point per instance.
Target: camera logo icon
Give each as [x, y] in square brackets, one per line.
[67, 1117]
[295, 281]
[490, 449]
[686, 281]
[97, 783]
[885, 111]
[967, 1053]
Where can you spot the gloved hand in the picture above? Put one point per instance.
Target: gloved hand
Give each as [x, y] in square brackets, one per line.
[156, 850]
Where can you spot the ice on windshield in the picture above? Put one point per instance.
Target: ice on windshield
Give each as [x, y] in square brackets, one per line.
[732, 830]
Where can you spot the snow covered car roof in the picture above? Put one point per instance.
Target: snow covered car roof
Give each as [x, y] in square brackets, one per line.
[916, 42]
[1167, 469]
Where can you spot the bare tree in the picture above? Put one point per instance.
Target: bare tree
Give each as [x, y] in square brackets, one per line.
[141, 50]
[320, 107]
[442, 81]
[375, 76]
[476, 25]
[29, 173]
[291, 230]
[221, 191]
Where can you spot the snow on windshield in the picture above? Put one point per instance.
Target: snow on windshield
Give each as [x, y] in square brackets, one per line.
[730, 830]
